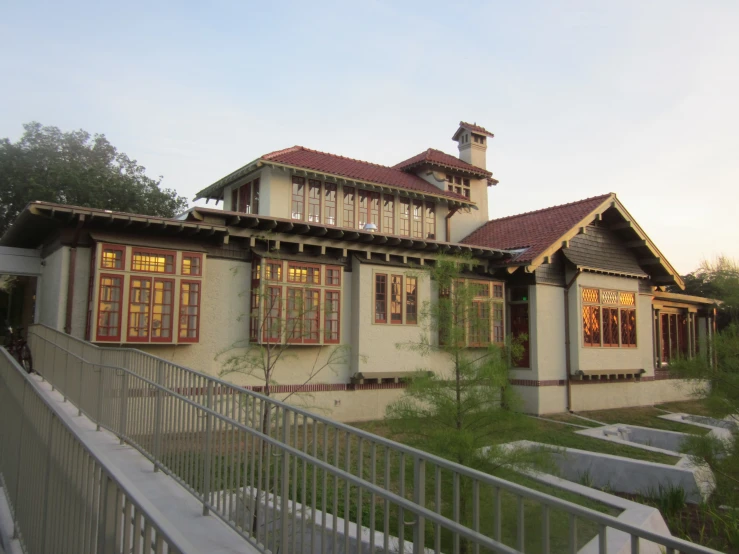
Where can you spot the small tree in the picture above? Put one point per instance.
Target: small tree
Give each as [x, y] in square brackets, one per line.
[277, 326]
[457, 413]
[718, 279]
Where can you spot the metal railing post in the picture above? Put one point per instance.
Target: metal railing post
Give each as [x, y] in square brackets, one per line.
[285, 488]
[81, 379]
[206, 450]
[158, 416]
[99, 391]
[419, 497]
[123, 423]
[47, 478]
[20, 460]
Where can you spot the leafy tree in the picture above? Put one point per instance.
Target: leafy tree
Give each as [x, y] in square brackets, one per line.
[718, 279]
[79, 169]
[456, 414]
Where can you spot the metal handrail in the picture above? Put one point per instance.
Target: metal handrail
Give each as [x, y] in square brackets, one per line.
[604, 521]
[120, 502]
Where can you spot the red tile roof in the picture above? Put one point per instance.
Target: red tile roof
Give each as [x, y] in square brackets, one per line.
[535, 231]
[439, 158]
[474, 127]
[299, 156]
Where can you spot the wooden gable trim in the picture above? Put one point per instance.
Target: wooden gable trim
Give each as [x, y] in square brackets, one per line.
[628, 223]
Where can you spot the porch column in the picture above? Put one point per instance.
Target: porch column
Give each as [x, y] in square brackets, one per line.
[658, 341]
[689, 334]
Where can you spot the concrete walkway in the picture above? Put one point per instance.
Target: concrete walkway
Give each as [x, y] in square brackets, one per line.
[205, 533]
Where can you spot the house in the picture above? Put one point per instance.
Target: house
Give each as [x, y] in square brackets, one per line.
[343, 240]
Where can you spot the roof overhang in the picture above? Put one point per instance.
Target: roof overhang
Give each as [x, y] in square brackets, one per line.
[650, 259]
[215, 191]
[39, 219]
[677, 298]
[252, 225]
[466, 127]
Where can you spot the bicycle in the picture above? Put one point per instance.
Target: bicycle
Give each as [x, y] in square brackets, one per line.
[18, 348]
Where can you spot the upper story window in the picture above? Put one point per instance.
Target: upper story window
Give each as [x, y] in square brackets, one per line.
[329, 203]
[139, 301]
[113, 257]
[608, 318]
[460, 185]
[298, 198]
[245, 198]
[302, 310]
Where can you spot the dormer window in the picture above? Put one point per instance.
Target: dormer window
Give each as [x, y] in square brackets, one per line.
[460, 185]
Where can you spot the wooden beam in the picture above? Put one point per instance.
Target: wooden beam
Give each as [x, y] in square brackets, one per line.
[621, 226]
[635, 243]
[511, 269]
[650, 261]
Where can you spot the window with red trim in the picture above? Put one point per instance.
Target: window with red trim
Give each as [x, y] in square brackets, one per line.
[110, 297]
[139, 305]
[272, 270]
[610, 327]
[255, 298]
[333, 276]
[189, 326]
[113, 257]
[192, 264]
[628, 328]
[396, 299]
[380, 298]
[303, 273]
[162, 308]
[273, 314]
[609, 318]
[152, 261]
[331, 317]
[411, 300]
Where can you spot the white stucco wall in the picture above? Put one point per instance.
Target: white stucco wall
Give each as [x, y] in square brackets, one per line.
[52, 288]
[547, 325]
[583, 358]
[597, 396]
[377, 348]
[81, 292]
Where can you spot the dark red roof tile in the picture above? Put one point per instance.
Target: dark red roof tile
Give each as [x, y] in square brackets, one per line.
[535, 231]
[299, 156]
[439, 158]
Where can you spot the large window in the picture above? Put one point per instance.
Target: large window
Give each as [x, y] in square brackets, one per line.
[109, 307]
[608, 318]
[395, 299]
[292, 312]
[474, 310]
[189, 328]
[329, 203]
[141, 292]
[405, 217]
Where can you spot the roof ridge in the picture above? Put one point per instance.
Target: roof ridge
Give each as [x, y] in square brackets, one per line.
[298, 147]
[575, 202]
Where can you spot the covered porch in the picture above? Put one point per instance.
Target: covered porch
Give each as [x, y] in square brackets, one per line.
[683, 327]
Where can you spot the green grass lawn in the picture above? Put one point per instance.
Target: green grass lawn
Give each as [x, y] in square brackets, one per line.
[645, 416]
[547, 432]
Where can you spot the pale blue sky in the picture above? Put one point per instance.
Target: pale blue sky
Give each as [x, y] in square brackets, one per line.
[638, 98]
